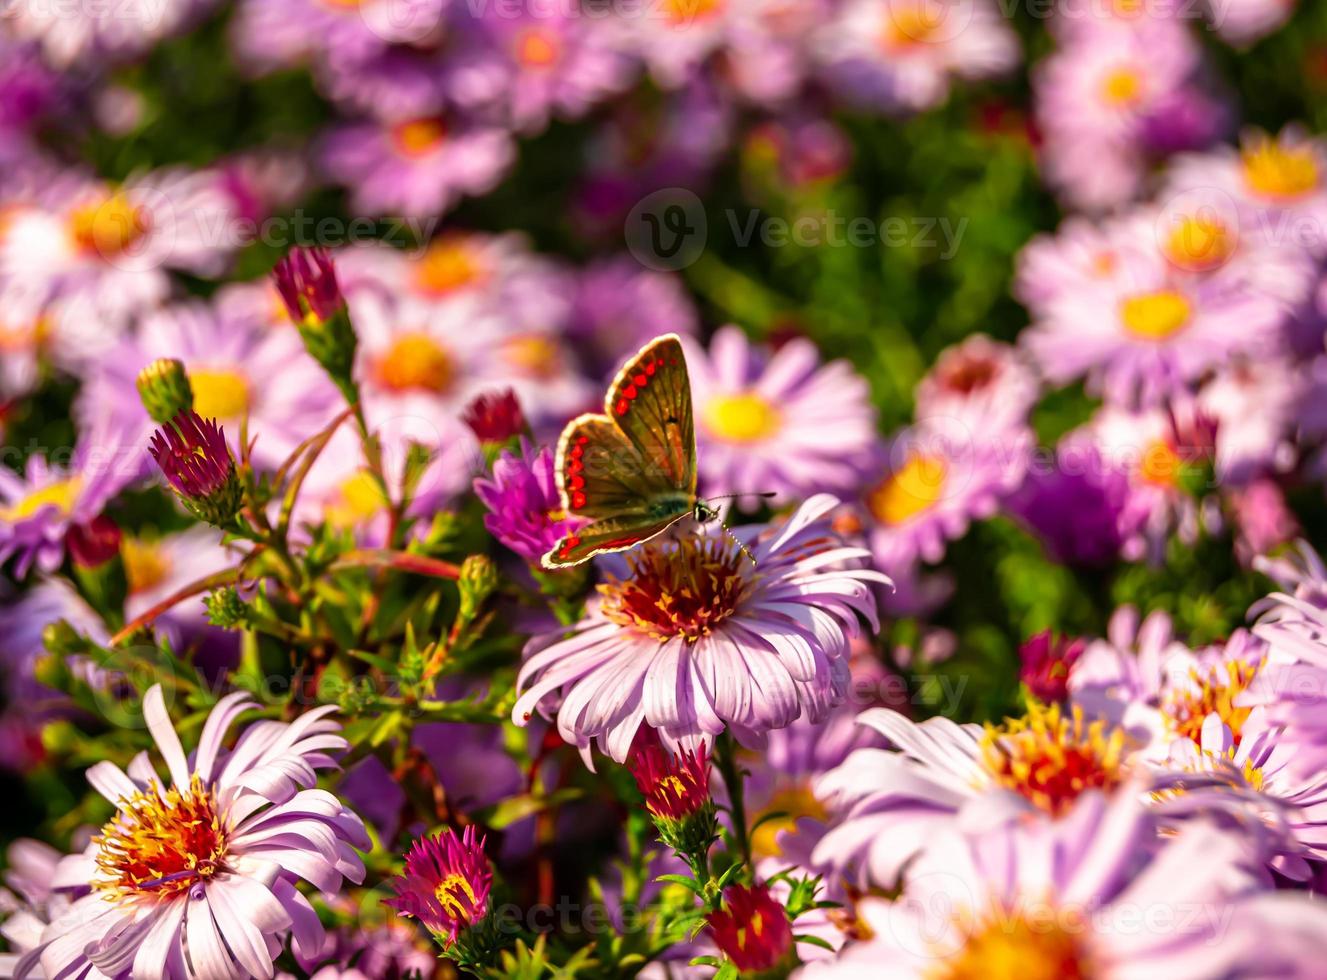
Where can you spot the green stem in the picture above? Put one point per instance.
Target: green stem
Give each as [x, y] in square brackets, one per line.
[725, 758]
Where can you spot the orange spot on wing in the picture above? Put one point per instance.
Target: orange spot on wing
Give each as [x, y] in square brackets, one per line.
[640, 380]
[630, 392]
[577, 499]
[621, 406]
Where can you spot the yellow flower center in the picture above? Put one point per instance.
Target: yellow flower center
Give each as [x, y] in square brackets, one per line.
[108, 227]
[62, 495]
[1155, 316]
[416, 361]
[683, 12]
[357, 500]
[219, 393]
[684, 589]
[1009, 946]
[1215, 689]
[537, 48]
[794, 803]
[1280, 172]
[448, 265]
[145, 565]
[533, 355]
[418, 137]
[742, 418]
[24, 337]
[160, 844]
[1050, 760]
[456, 896]
[1122, 87]
[909, 25]
[1200, 243]
[912, 489]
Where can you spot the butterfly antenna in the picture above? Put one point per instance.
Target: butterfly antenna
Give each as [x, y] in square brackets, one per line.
[737, 541]
[764, 494]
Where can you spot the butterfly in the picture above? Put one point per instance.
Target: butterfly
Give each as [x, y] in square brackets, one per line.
[631, 472]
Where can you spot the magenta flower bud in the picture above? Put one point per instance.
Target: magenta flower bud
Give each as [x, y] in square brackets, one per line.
[196, 462]
[445, 884]
[1047, 662]
[306, 280]
[495, 417]
[753, 932]
[94, 543]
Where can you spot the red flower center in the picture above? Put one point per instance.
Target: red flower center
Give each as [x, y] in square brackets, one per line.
[684, 589]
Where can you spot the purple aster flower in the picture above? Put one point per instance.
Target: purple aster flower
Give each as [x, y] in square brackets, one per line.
[1075, 504]
[696, 638]
[780, 422]
[446, 883]
[29, 89]
[394, 950]
[524, 509]
[237, 370]
[1274, 181]
[1065, 900]
[888, 804]
[203, 869]
[1150, 331]
[902, 54]
[932, 481]
[621, 306]
[40, 507]
[417, 167]
[282, 33]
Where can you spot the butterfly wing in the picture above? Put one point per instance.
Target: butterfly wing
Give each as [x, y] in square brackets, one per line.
[650, 401]
[632, 470]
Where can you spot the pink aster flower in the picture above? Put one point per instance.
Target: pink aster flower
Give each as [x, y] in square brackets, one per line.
[780, 422]
[1150, 332]
[902, 54]
[202, 870]
[446, 883]
[282, 33]
[1081, 254]
[982, 383]
[416, 167]
[90, 257]
[237, 372]
[1253, 403]
[934, 479]
[82, 33]
[524, 508]
[696, 638]
[1243, 22]
[1278, 183]
[1075, 898]
[157, 567]
[39, 507]
[888, 804]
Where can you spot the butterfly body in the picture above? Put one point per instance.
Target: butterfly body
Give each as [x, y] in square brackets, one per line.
[630, 472]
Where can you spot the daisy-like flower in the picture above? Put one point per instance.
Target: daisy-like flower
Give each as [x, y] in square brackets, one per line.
[889, 804]
[1109, 102]
[524, 509]
[783, 423]
[1149, 332]
[901, 54]
[446, 882]
[202, 870]
[1250, 785]
[27, 901]
[934, 479]
[88, 257]
[1253, 403]
[415, 167]
[982, 383]
[555, 62]
[85, 33]
[39, 507]
[1076, 898]
[280, 33]
[237, 371]
[1279, 184]
[155, 568]
[1081, 254]
[696, 639]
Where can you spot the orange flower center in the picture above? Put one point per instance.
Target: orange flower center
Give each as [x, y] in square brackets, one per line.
[1010, 946]
[682, 590]
[681, 13]
[1122, 87]
[416, 362]
[145, 565]
[1051, 760]
[109, 227]
[1280, 172]
[908, 25]
[1214, 692]
[536, 48]
[1156, 316]
[160, 844]
[418, 137]
[1161, 464]
[533, 355]
[1200, 243]
[912, 489]
[448, 265]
